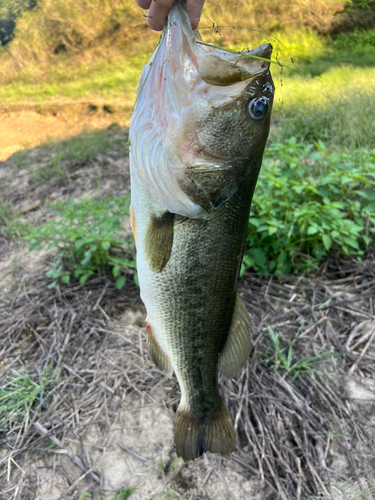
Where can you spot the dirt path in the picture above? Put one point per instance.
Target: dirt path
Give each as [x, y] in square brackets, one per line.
[25, 129]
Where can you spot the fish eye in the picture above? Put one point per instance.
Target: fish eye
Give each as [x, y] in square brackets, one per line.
[258, 108]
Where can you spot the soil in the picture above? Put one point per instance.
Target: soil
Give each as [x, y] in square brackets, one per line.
[28, 126]
[107, 424]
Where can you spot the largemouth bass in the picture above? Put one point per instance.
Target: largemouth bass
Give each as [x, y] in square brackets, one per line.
[197, 138]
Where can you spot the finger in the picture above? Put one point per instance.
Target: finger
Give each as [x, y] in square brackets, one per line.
[158, 12]
[144, 4]
[194, 10]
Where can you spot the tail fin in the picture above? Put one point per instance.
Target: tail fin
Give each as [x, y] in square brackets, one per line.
[195, 436]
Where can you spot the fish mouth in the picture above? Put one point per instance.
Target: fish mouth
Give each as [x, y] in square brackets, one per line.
[264, 51]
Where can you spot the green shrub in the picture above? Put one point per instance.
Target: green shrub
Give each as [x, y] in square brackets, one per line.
[308, 203]
[356, 42]
[87, 235]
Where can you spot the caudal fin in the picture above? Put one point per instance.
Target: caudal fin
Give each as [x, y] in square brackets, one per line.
[195, 436]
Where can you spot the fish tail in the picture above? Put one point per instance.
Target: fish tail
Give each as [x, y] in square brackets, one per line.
[195, 436]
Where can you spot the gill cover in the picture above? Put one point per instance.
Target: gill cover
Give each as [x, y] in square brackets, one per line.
[171, 146]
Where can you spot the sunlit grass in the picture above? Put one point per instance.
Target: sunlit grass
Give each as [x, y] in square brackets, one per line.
[113, 81]
[337, 107]
[329, 96]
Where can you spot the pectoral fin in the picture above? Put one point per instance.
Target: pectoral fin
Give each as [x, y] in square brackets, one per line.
[156, 353]
[238, 345]
[158, 241]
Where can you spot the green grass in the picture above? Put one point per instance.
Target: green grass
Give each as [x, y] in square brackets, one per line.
[283, 356]
[336, 107]
[325, 98]
[329, 97]
[124, 493]
[88, 145]
[14, 226]
[115, 81]
[22, 396]
[61, 153]
[170, 494]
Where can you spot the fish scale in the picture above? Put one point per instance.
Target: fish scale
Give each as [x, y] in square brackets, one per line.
[194, 164]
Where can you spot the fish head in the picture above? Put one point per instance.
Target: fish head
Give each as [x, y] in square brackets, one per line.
[202, 119]
[232, 104]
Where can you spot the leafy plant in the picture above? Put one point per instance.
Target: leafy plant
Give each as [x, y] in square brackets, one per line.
[21, 396]
[87, 237]
[358, 41]
[307, 203]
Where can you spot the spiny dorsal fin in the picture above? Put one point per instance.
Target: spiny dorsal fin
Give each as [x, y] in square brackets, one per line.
[238, 345]
[194, 436]
[158, 241]
[156, 353]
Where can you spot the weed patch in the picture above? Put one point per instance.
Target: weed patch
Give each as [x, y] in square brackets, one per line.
[87, 237]
[283, 356]
[124, 493]
[308, 203]
[12, 225]
[23, 396]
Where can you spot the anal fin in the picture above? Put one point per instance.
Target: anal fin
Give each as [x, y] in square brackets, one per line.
[156, 353]
[194, 436]
[158, 241]
[238, 345]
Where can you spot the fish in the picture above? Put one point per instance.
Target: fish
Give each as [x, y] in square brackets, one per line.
[197, 137]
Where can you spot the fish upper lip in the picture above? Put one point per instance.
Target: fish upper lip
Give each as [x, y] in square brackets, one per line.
[264, 50]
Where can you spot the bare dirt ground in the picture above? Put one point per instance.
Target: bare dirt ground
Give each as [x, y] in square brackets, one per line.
[26, 128]
[105, 423]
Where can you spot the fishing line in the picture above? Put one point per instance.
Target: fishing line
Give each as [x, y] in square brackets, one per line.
[225, 49]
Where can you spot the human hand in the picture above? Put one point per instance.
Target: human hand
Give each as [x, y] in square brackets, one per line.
[158, 12]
